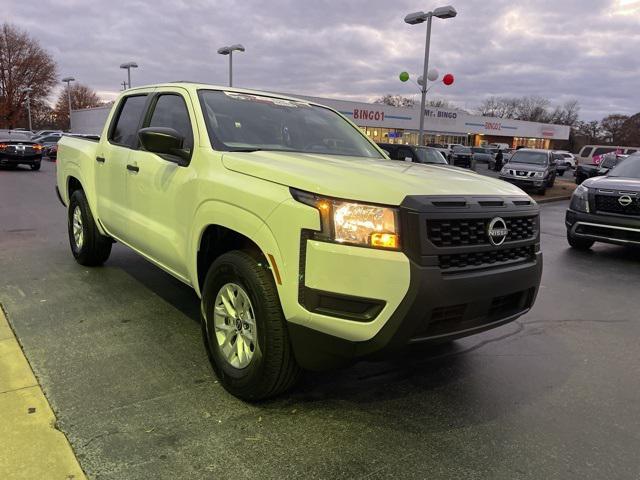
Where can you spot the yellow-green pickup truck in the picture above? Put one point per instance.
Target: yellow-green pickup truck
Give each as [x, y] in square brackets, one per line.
[308, 246]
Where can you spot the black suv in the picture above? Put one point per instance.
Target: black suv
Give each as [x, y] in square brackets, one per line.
[16, 148]
[413, 153]
[531, 169]
[607, 208]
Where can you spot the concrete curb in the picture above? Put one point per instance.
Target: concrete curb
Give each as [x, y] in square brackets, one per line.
[32, 446]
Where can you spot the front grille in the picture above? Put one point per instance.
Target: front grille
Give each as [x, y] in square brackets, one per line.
[484, 259]
[466, 232]
[608, 203]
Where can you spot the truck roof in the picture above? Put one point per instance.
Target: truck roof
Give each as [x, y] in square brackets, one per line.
[199, 86]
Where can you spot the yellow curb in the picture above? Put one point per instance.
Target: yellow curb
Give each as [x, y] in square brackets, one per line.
[30, 445]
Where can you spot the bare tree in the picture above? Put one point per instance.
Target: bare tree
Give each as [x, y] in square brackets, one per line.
[81, 97]
[438, 103]
[630, 131]
[612, 127]
[590, 130]
[567, 114]
[501, 107]
[23, 64]
[396, 101]
[531, 108]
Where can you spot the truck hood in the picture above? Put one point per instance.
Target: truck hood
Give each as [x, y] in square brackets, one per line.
[614, 183]
[357, 178]
[530, 167]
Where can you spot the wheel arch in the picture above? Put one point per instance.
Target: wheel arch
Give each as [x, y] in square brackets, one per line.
[221, 227]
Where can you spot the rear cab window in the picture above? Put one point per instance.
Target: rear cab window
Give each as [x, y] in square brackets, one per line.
[124, 130]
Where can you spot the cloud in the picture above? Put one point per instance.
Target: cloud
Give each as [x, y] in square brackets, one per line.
[581, 49]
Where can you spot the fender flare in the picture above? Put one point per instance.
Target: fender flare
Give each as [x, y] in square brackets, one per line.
[244, 222]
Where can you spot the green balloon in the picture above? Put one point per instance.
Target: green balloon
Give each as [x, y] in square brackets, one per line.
[404, 76]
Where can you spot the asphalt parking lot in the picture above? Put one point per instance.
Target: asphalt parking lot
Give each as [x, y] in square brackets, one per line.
[118, 353]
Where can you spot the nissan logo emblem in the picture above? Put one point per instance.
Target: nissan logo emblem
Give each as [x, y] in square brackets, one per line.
[497, 231]
[625, 200]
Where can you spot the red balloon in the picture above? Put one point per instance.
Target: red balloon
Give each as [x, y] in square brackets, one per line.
[447, 79]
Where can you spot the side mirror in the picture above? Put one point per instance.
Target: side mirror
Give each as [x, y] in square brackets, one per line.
[166, 142]
[386, 152]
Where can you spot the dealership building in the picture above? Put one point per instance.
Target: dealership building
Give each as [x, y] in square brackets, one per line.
[383, 123]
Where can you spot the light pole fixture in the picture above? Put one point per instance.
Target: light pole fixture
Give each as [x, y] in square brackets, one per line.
[229, 51]
[415, 19]
[128, 66]
[28, 90]
[68, 81]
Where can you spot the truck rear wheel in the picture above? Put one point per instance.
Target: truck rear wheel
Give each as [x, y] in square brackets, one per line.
[88, 245]
[244, 329]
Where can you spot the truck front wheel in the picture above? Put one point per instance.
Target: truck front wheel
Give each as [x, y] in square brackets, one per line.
[244, 329]
[88, 245]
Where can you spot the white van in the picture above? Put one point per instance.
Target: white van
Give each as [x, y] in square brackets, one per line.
[591, 154]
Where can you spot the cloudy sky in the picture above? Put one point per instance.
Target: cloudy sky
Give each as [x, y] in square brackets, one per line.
[355, 49]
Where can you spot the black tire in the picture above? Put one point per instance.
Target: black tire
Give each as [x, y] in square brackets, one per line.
[552, 182]
[561, 173]
[95, 248]
[579, 243]
[35, 166]
[273, 368]
[542, 191]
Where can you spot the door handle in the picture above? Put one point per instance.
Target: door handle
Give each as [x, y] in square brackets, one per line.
[100, 159]
[133, 168]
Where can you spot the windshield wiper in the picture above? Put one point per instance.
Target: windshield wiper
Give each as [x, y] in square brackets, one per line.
[248, 149]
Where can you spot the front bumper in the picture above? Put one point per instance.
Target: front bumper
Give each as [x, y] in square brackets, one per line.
[419, 295]
[11, 160]
[524, 182]
[436, 309]
[614, 229]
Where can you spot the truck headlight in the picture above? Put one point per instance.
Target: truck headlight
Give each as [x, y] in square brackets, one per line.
[538, 174]
[354, 223]
[580, 199]
[504, 171]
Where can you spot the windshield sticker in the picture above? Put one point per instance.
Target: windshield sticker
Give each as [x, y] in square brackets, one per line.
[281, 102]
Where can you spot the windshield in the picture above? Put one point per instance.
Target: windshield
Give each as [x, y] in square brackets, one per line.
[481, 150]
[535, 158]
[242, 121]
[629, 168]
[430, 155]
[461, 149]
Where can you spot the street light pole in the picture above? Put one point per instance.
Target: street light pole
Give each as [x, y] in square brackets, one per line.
[423, 98]
[27, 90]
[415, 19]
[229, 51]
[68, 81]
[128, 66]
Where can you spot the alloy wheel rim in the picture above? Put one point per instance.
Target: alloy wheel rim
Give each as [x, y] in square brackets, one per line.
[78, 232]
[235, 325]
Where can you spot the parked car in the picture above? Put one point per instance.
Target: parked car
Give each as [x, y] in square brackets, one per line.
[41, 133]
[414, 153]
[243, 196]
[609, 160]
[568, 158]
[531, 169]
[441, 147]
[461, 156]
[483, 155]
[499, 146]
[592, 154]
[606, 208]
[17, 148]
